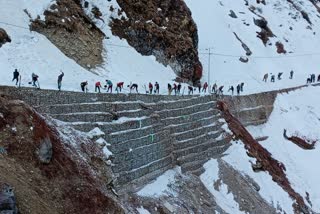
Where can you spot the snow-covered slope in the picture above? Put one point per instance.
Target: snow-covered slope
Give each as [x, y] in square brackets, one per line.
[299, 113]
[32, 52]
[216, 29]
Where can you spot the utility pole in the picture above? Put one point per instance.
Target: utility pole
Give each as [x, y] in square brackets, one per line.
[209, 62]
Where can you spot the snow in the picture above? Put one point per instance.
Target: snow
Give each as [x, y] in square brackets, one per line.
[216, 29]
[102, 142]
[141, 210]
[299, 112]
[32, 52]
[95, 132]
[238, 159]
[161, 186]
[106, 152]
[223, 197]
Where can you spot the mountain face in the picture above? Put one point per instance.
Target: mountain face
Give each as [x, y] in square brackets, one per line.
[164, 29]
[68, 27]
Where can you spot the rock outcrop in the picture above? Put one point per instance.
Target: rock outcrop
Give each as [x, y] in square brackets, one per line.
[165, 29]
[68, 27]
[73, 181]
[4, 37]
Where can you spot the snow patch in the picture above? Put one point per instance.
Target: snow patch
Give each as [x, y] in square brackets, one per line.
[161, 186]
[223, 197]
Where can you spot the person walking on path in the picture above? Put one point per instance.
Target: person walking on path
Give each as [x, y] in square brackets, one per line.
[291, 74]
[238, 89]
[175, 87]
[241, 87]
[16, 76]
[265, 77]
[231, 89]
[60, 80]
[35, 80]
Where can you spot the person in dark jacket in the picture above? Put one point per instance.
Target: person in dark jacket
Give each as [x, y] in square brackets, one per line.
[241, 86]
[179, 89]
[133, 86]
[157, 88]
[16, 76]
[35, 80]
[318, 78]
[190, 90]
[231, 89]
[84, 86]
[291, 74]
[60, 80]
[169, 89]
[238, 89]
[273, 78]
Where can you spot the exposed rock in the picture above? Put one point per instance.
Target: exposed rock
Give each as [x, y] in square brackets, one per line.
[8, 204]
[45, 151]
[280, 48]
[165, 29]
[233, 14]
[299, 141]
[265, 32]
[244, 46]
[4, 37]
[71, 183]
[68, 27]
[244, 190]
[244, 59]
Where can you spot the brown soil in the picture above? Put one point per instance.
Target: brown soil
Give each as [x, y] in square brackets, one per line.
[71, 30]
[264, 159]
[165, 29]
[68, 184]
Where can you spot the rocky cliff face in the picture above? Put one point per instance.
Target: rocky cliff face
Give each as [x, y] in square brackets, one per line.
[68, 27]
[164, 29]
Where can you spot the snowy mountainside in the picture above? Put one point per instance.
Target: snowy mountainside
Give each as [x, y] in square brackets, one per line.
[216, 30]
[299, 113]
[32, 52]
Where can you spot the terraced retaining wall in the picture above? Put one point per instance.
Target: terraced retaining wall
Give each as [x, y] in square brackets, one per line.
[149, 134]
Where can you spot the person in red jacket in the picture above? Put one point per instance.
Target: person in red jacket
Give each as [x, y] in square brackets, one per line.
[119, 86]
[175, 87]
[205, 86]
[98, 86]
[150, 88]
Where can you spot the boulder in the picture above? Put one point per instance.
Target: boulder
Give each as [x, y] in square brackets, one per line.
[45, 151]
[8, 203]
[4, 37]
